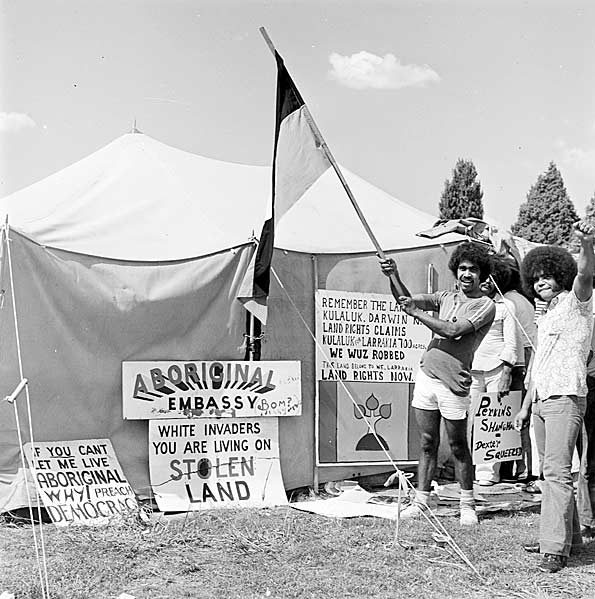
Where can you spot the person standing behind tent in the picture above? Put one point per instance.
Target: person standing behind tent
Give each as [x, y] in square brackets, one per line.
[558, 377]
[443, 380]
[495, 357]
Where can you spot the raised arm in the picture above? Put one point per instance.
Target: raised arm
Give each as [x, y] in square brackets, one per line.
[389, 267]
[583, 282]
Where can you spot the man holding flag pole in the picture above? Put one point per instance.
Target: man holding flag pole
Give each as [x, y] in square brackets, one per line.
[443, 381]
[300, 157]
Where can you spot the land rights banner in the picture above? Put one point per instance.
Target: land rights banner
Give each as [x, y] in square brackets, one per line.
[80, 482]
[191, 389]
[494, 436]
[206, 464]
[366, 337]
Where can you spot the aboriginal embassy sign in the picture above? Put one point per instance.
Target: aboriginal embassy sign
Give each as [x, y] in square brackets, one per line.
[366, 337]
[194, 389]
[80, 482]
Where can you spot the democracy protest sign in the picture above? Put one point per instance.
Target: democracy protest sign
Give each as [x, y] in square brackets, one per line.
[494, 436]
[194, 389]
[80, 482]
[205, 464]
[366, 337]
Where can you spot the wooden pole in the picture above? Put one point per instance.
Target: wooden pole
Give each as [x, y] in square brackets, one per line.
[337, 170]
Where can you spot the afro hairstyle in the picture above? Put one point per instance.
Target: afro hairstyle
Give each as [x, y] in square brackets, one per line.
[475, 253]
[501, 273]
[550, 260]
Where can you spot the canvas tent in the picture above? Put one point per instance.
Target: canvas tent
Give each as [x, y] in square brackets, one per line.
[136, 252]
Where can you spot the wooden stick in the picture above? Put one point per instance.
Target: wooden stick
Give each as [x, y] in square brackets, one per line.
[10, 398]
[333, 162]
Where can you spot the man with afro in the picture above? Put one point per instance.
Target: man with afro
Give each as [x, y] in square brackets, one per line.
[557, 385]
[444, 378]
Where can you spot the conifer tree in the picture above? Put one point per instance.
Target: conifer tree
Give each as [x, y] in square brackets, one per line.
[574, 244]
[590, 210]
[548, 214]
[462, 195]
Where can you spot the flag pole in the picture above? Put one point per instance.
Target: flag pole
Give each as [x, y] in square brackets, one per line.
[333, 162]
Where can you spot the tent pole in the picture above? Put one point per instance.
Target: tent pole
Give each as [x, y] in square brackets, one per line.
[250, 340]
[315, 477]
[318, 135]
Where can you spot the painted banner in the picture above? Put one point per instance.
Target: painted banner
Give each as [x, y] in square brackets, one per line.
[214, 389]
[366, 337]
[207, 464]
[80, 482]
[384, 410]
[494, 436]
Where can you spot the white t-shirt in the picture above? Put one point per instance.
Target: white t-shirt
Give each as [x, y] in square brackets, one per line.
[526, 328]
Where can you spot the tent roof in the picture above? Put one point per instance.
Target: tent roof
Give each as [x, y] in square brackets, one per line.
[140, 199]
[324, 221]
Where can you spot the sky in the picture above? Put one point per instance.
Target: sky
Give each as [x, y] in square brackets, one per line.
[400, 89]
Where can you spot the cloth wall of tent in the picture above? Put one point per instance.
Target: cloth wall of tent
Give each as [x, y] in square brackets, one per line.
[137, 252]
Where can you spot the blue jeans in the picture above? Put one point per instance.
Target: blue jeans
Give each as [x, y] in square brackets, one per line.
[558, 421]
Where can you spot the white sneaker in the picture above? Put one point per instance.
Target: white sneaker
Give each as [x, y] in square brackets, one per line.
[468, 517]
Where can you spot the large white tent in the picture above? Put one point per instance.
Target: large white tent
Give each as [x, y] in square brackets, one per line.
[137, 251]
[140, 199]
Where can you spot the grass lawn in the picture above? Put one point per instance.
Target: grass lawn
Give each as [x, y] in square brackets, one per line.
[285, 553]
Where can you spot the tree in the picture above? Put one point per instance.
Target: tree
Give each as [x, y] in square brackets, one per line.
[574, 245]
[462, 196]
[548, 214]
[590, 210]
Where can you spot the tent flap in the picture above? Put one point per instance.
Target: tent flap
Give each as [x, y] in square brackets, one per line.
[79, 317]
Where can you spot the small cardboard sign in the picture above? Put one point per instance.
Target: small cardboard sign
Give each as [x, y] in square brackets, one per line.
[216, 389]
[494, 436]
[206, 464]
[80, 482]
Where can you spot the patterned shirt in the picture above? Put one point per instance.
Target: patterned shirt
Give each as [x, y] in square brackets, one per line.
[563, 344]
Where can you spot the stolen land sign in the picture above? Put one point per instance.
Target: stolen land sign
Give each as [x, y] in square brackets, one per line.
[191, 389]
[80, 482]
[366, 337]
[205, 464]
[494, 436]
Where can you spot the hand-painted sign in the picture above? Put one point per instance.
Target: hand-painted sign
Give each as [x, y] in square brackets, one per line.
[80, 482]
[366, 337]
[206, 464]
[494, 436]
[192, 389]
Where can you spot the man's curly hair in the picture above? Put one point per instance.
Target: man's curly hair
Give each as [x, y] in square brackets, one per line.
[476, 254]
[550, 260]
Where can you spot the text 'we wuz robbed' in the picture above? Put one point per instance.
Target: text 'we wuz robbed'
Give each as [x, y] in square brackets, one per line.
[351, 333]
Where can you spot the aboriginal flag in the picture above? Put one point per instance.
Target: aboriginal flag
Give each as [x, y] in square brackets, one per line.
[298, 161]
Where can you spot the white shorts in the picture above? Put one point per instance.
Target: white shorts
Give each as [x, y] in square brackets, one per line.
[433, 394]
